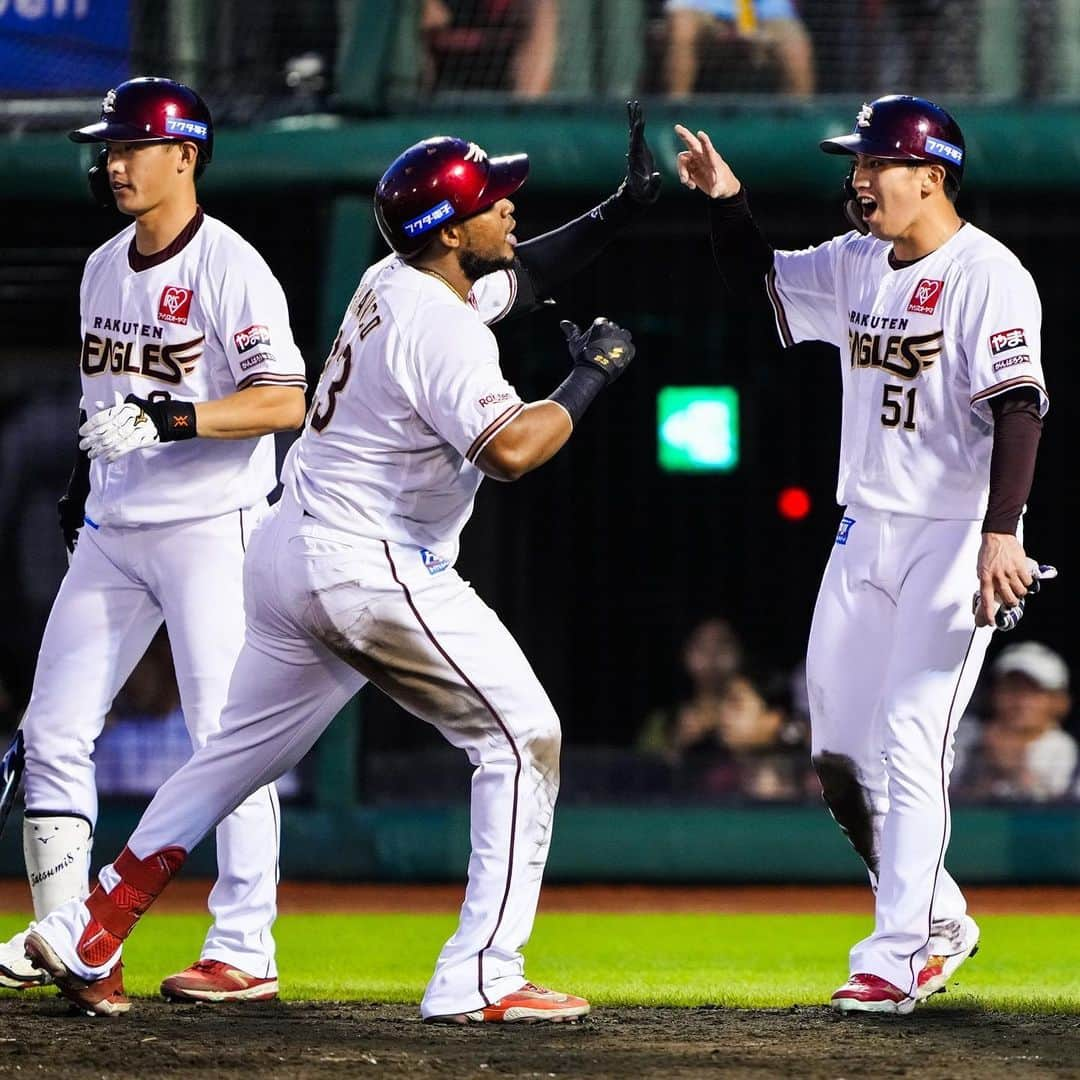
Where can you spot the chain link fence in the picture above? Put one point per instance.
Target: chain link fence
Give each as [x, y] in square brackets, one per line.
[258, 59]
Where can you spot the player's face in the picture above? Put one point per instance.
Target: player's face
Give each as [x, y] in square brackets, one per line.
[890, 195]
[143, 175]
[488, 240]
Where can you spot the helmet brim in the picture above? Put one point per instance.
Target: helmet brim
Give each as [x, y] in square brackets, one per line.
[106, 131]
[505, 176]
[856, 143]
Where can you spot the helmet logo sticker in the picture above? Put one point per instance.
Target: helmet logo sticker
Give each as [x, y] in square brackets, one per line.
[944, 149]
[866, 114]
[189, 129]
[475, 153]
[108, 103]
[429, 219]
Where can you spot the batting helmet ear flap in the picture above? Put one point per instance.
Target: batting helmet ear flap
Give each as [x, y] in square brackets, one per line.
[98, 178]
[852, 210]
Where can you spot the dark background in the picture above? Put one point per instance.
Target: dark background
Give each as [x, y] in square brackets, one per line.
[599, 563]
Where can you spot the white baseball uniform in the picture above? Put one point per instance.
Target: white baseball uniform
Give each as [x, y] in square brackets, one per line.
[894, 654]
[351, 579]
[165, 533]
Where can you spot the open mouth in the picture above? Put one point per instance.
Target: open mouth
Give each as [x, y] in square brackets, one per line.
[868, 206]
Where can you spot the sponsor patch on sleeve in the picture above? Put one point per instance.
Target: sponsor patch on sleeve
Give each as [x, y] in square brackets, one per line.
[250, 336]
[925, 297]
[1011, 361]
[175, 304]
[254, 361]
[1004, 340]
[844, 531]
[494, 399]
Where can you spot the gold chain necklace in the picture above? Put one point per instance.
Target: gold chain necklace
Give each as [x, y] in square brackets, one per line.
[448, 284]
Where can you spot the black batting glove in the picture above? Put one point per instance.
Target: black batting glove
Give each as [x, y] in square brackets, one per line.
[72, 513]
[71, 506]
[604, 347]
[642, 183]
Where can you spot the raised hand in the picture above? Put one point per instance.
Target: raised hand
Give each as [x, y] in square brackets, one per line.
[701, 168]
[642, 181]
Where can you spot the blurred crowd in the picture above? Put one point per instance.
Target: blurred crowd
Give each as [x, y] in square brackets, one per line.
[740, 730]
[252, 58]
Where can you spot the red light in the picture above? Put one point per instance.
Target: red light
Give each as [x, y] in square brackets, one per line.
[793, 503]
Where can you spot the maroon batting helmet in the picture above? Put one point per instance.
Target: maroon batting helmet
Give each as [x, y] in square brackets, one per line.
[437, 181]
[904, 128]
[150, 109]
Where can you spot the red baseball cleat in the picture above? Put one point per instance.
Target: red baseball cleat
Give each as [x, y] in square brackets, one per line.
[214, 981]
[529, 1005]
[95, 997]
[952, 943]
[871, 993]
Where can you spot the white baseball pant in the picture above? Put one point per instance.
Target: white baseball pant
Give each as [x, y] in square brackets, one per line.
[121, 583]
[893, 658]
[328, 612]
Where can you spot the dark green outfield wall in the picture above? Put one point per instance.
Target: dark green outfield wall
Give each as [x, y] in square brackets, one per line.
[775, 844]
[572, 148]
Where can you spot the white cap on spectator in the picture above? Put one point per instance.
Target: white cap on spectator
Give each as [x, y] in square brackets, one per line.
[1039, 663]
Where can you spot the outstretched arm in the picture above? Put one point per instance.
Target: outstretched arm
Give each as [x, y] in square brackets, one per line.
[743, 256]
[548, 260]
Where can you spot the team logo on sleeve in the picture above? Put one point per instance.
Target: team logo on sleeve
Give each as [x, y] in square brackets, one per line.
[925, 297]
[844, 531]
[175, 304]
[250, 336]
[1004, 340]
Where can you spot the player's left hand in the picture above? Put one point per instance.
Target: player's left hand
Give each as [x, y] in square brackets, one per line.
[1006, 576]
[642, 181]
[114, 432]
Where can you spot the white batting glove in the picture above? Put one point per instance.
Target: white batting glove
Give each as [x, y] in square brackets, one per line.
[114, 432]
[1007, 618]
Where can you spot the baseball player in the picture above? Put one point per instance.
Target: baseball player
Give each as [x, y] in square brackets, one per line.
[352, 580]
[184, 325]
[937, 324]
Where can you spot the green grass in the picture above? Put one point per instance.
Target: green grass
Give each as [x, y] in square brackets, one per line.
[1027, 963]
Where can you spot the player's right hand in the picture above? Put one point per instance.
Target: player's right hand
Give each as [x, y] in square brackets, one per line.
[605, 346]
[112, 433]
[701, 168]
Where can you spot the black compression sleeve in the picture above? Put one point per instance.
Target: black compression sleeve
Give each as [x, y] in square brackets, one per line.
[553, 257]
[743, 256]
[1017, 429]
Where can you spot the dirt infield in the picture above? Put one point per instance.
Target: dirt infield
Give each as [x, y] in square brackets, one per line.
[312, 1041]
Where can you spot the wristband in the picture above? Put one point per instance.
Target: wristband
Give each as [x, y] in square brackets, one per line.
[174, 420]
[576, 392]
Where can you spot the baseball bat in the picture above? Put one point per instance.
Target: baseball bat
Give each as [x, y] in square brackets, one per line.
[11, 772]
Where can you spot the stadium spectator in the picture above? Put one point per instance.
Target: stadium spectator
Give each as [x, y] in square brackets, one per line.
[767, 30]
[490, 45]
[601, 48]
[728, 735]
[711, 658]
[1021, 751]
